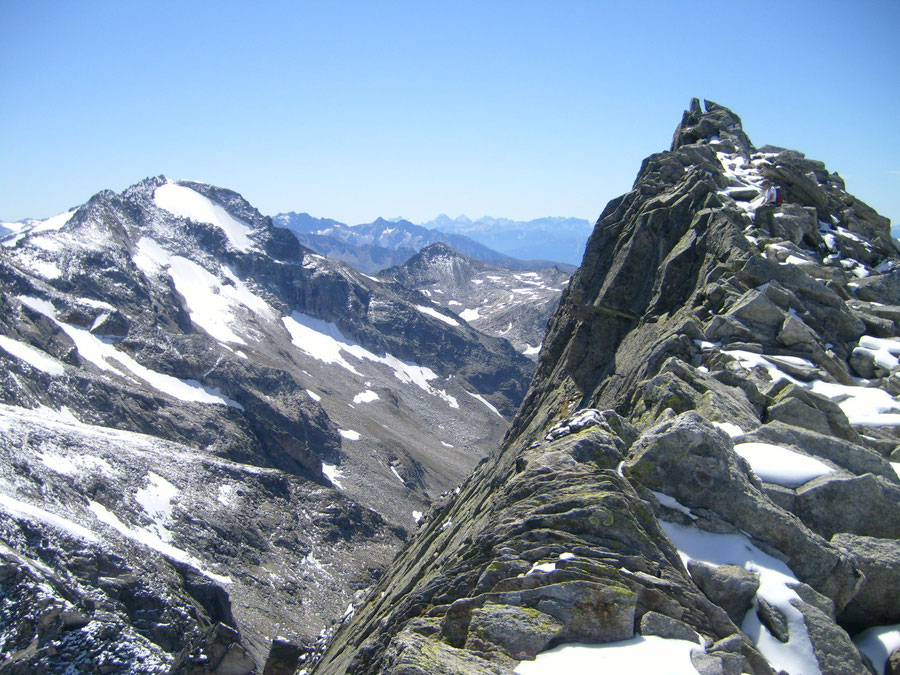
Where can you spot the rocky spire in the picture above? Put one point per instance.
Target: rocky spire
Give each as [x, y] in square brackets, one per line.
[717, 124]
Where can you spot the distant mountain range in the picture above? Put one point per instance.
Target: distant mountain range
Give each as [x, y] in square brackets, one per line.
[375, 246]
[561, 239]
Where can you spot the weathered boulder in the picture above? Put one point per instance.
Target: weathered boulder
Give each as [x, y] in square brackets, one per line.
[878, 600]
[797, 406]
[590, 613]
[694, 462]
[863, 363]
[882, 288]
[833, 649]
[680, 388]
[756, 311]
[654, 623]
[795, 333]
[731, 587]
[519, 632]
[413, 654]
[865, 505]
[717, 663]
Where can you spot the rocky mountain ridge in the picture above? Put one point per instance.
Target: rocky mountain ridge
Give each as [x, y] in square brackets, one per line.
[211, 435]
[703, 475]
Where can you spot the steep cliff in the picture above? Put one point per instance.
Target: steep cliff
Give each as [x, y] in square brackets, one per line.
[702, 466]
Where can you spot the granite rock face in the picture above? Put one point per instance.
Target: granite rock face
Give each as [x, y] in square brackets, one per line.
[682, 460]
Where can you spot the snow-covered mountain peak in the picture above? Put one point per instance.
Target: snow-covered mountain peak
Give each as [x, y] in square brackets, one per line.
[186, 202]
[322, 408]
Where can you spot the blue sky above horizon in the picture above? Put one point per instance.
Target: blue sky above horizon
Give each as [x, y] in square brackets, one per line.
[354, 110]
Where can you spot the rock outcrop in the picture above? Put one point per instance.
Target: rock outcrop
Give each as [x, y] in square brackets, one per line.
[700, 459]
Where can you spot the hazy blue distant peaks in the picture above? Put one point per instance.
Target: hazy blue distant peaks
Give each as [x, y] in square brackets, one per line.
[444, 221]
[553, 238]
[304, 223]
[383, 243]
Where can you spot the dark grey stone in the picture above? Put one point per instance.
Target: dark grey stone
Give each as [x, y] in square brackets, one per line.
[519, 632]
[731, 587]
[773, 619]
[878, 600]
[654, 623]
[833, 648]
[865, 505]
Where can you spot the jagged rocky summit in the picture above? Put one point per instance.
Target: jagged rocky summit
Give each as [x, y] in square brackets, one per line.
[210, 436]
[703, 475]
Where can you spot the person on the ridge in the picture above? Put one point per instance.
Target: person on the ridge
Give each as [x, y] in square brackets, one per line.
[770, 194]
[767, 198]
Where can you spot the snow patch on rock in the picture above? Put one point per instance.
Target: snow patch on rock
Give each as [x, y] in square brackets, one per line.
[187, 203]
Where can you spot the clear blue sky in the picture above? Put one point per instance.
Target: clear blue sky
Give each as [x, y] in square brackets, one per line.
[354, 110]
